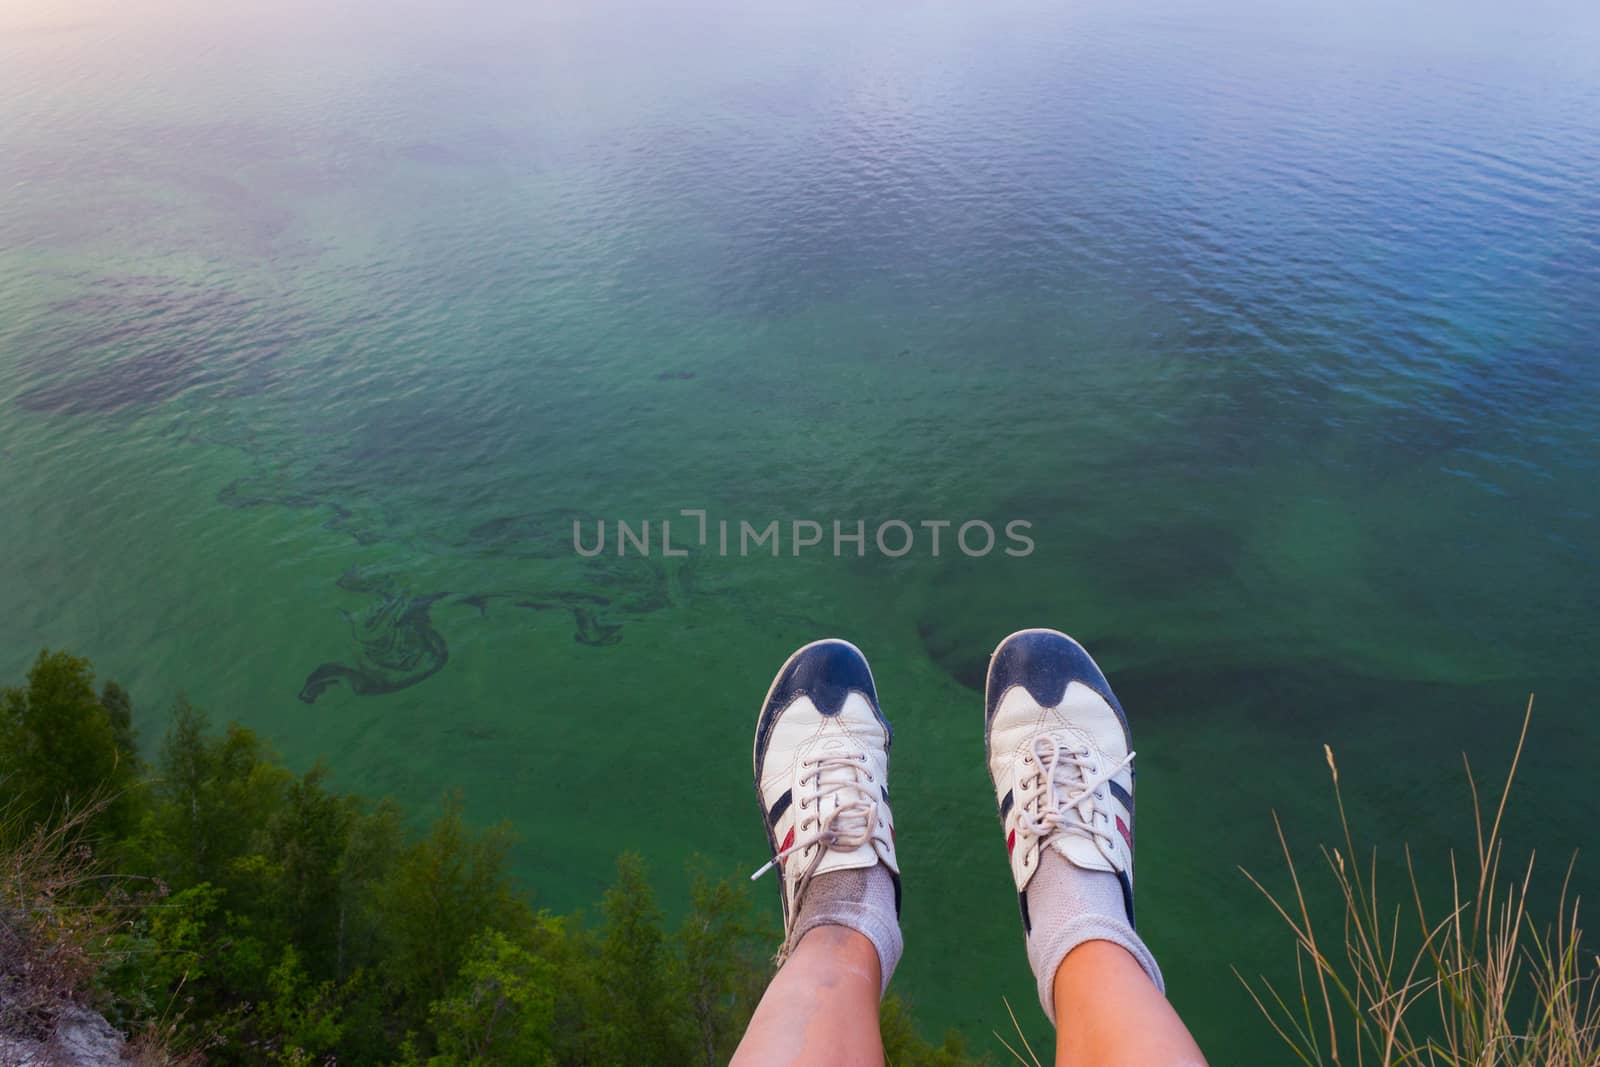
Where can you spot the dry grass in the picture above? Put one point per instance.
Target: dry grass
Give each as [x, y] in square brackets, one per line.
[1480, 983]
[59, 910]
[1032, 1058]
[54, 919]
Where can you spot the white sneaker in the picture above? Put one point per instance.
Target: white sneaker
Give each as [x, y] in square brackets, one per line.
[1061, 760]
[821, 769]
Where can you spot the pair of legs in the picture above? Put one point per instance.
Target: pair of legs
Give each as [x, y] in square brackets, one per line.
[1057, 742]
[822, 1008]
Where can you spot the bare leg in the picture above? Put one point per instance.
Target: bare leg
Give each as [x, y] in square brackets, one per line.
[821, 761]
[1109, 1014]
[821, 1007]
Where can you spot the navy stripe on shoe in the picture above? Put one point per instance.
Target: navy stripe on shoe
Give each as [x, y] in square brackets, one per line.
[1022, 901]
[1122, 795]
[1005, 804]
[1127, 893]
[780, 807]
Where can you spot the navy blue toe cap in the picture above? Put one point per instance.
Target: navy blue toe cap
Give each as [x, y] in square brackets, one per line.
[1045, 662]
[827, 672]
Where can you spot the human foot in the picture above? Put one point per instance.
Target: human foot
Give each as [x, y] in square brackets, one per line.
[821, 767]
[1061, 761]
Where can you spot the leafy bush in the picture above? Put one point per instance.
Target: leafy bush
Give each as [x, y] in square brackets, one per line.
[221, 908]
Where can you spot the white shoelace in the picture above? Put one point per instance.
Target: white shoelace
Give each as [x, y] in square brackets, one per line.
[1067, 800]
[846, 827]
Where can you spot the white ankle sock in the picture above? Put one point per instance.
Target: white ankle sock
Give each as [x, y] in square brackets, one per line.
[863, 900]
[1066, 906]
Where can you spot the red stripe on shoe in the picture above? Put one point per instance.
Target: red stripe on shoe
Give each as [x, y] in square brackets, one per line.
[1011, 842]
[1127, 834]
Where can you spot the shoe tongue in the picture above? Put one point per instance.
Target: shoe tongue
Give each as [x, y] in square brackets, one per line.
[838, 763]
[864, 855]
[1081, 852]
[1079, 849]
[837, 859]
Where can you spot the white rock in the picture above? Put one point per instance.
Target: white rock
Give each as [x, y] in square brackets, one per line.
[82, 1038]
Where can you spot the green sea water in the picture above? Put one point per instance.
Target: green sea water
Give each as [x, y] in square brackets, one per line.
[321, 324]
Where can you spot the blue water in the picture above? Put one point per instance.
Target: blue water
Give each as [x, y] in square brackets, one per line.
[321, 323]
